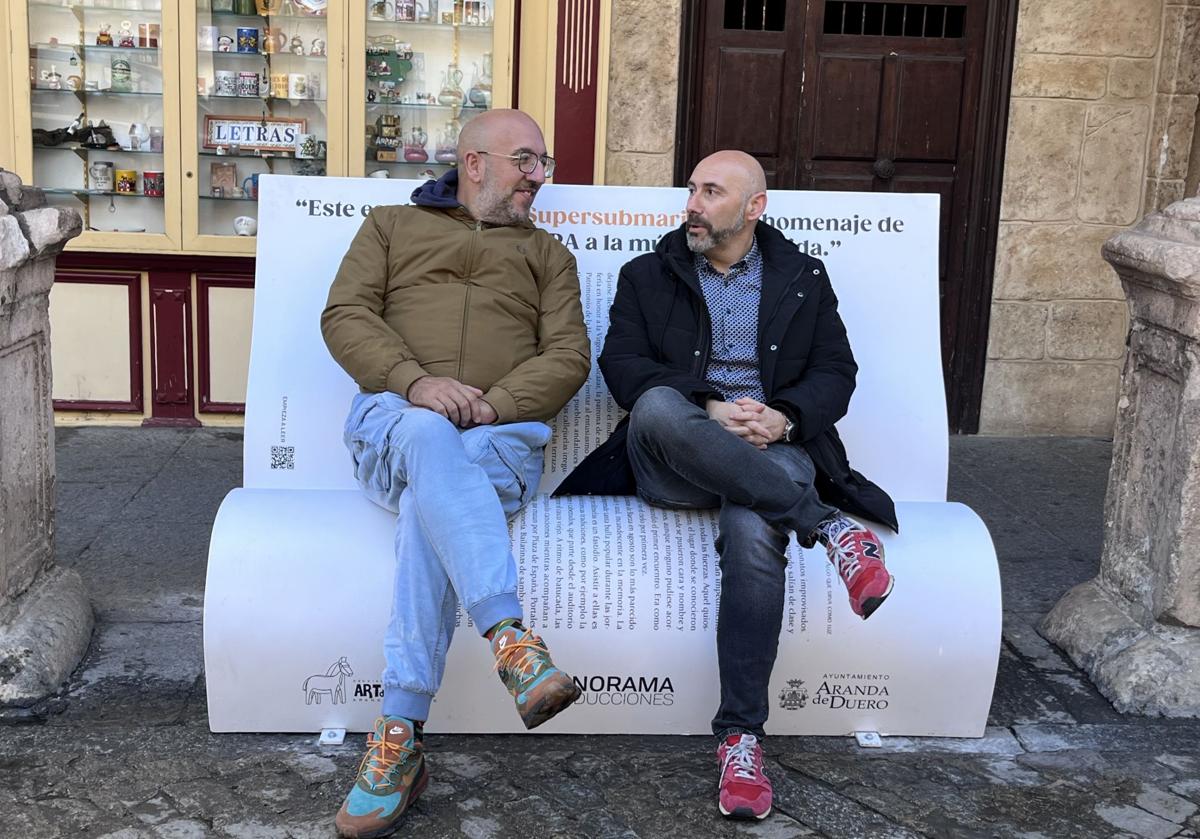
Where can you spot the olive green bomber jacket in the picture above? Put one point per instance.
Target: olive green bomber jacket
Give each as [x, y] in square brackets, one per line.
[430, 291]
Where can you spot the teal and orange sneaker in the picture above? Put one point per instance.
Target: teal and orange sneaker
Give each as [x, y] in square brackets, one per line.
[539, 688]
[390, 778]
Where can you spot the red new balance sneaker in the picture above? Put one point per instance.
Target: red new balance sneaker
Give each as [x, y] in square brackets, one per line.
[857, 554]
[744, 790]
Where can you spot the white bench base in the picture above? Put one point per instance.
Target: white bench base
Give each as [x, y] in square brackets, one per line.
[299, 587]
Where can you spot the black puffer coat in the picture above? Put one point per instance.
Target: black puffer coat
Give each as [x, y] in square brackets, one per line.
[660, 334]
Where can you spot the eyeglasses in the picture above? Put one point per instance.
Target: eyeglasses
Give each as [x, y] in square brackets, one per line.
[527, 161]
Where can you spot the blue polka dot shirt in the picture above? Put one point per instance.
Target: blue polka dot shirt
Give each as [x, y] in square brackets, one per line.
[732, 301]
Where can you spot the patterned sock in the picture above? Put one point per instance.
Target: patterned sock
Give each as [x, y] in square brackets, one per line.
[514, 622]
[831, 527]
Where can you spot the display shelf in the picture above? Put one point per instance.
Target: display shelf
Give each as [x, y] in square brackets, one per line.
[89, 93]
[70, 48]
[425, 106]
[246, 155]
[93, 6]
[131, 89]
[83, 151]
[53, 42]
[259, 56]
[234, 17]
[205, 97]
[82, 191]
[420, 26]
[402, 162]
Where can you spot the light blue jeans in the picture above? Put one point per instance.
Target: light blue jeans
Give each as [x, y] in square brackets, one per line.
[452, 491]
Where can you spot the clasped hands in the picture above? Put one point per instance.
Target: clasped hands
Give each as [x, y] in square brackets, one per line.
[462, 404]
[754, 422]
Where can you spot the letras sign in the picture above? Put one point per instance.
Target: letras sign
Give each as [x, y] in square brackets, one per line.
[251, 133]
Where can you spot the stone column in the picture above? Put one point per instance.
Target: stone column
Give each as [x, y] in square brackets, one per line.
[1135, 628]
[45, 616]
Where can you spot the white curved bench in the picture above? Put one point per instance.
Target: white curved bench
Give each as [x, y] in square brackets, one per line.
[300, 564]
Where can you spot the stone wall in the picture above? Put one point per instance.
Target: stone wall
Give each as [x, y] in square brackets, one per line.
[1100, 132]
[643, 84]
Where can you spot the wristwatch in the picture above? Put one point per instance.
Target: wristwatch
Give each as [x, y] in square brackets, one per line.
[788, 428]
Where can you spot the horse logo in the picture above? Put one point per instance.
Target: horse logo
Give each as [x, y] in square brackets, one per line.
[333, 682]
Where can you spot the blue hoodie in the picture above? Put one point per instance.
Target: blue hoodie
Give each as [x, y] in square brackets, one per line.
[441, 193]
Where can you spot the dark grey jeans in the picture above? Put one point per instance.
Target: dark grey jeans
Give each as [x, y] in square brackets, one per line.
[683, 459]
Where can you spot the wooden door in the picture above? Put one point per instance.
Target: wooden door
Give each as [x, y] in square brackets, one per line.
[891, 108]
[752, 62]
[871, 95]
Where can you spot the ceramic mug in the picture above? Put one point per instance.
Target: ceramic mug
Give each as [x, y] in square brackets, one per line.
[247, 39]
[102, 175]
[306, 146]
[250, 185]
[226, 83]
[126, 180]
[247, 83]
[297, 86]
[245, 225]
[152, 183]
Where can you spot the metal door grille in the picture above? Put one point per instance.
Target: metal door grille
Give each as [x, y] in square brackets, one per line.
[894, 20]
[758, 15]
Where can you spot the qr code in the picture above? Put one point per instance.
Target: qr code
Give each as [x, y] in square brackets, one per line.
[283, 457]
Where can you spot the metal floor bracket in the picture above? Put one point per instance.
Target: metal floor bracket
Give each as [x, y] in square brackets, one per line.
[868, 739]
[331, 737]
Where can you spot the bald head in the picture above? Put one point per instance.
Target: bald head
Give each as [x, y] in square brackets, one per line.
[490, 184]
[491, 130]
[736, 169]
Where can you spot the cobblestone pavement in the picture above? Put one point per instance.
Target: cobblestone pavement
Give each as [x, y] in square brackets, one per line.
[125, 751]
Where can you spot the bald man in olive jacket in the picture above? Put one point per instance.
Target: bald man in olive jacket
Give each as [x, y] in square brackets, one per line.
[462, 325]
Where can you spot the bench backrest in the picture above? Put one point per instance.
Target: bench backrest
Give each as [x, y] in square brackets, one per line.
[881, 251]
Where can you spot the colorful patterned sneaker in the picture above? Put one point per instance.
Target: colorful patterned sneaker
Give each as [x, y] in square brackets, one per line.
[390, 778]
[745, 789]
[857, 554]
[539, 688]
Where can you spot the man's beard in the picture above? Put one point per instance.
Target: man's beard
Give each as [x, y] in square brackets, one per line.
[705, 242]
[497, 207]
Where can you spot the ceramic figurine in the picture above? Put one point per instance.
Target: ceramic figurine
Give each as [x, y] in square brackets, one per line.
[125, 36]
[297, 46]
[103, 38]
[318, 47]
[447, 145]
[414, 147]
